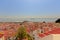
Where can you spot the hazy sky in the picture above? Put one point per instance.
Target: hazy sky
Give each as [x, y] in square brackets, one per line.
[29, 7]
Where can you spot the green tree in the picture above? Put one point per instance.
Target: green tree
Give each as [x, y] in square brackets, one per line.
[21, 34]
[57, 21]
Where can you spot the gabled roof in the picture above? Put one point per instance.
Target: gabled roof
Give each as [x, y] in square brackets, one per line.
[54, 31]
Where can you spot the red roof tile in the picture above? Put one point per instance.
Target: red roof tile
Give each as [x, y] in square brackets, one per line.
[55, 31]
[1, 35]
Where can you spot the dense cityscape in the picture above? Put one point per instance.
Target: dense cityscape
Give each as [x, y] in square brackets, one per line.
[36, 30]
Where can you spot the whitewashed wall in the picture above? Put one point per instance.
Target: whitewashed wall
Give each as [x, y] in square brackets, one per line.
[56, 36]
[49, 37]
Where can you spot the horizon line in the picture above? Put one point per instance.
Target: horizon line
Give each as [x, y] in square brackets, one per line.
[29, 16]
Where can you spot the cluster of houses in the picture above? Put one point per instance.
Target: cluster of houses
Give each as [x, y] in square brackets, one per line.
[39, 30]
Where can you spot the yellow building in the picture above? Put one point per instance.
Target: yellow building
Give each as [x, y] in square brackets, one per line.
[1, 36]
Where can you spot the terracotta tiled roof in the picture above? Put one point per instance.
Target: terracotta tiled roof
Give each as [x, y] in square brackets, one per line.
[55, 31]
